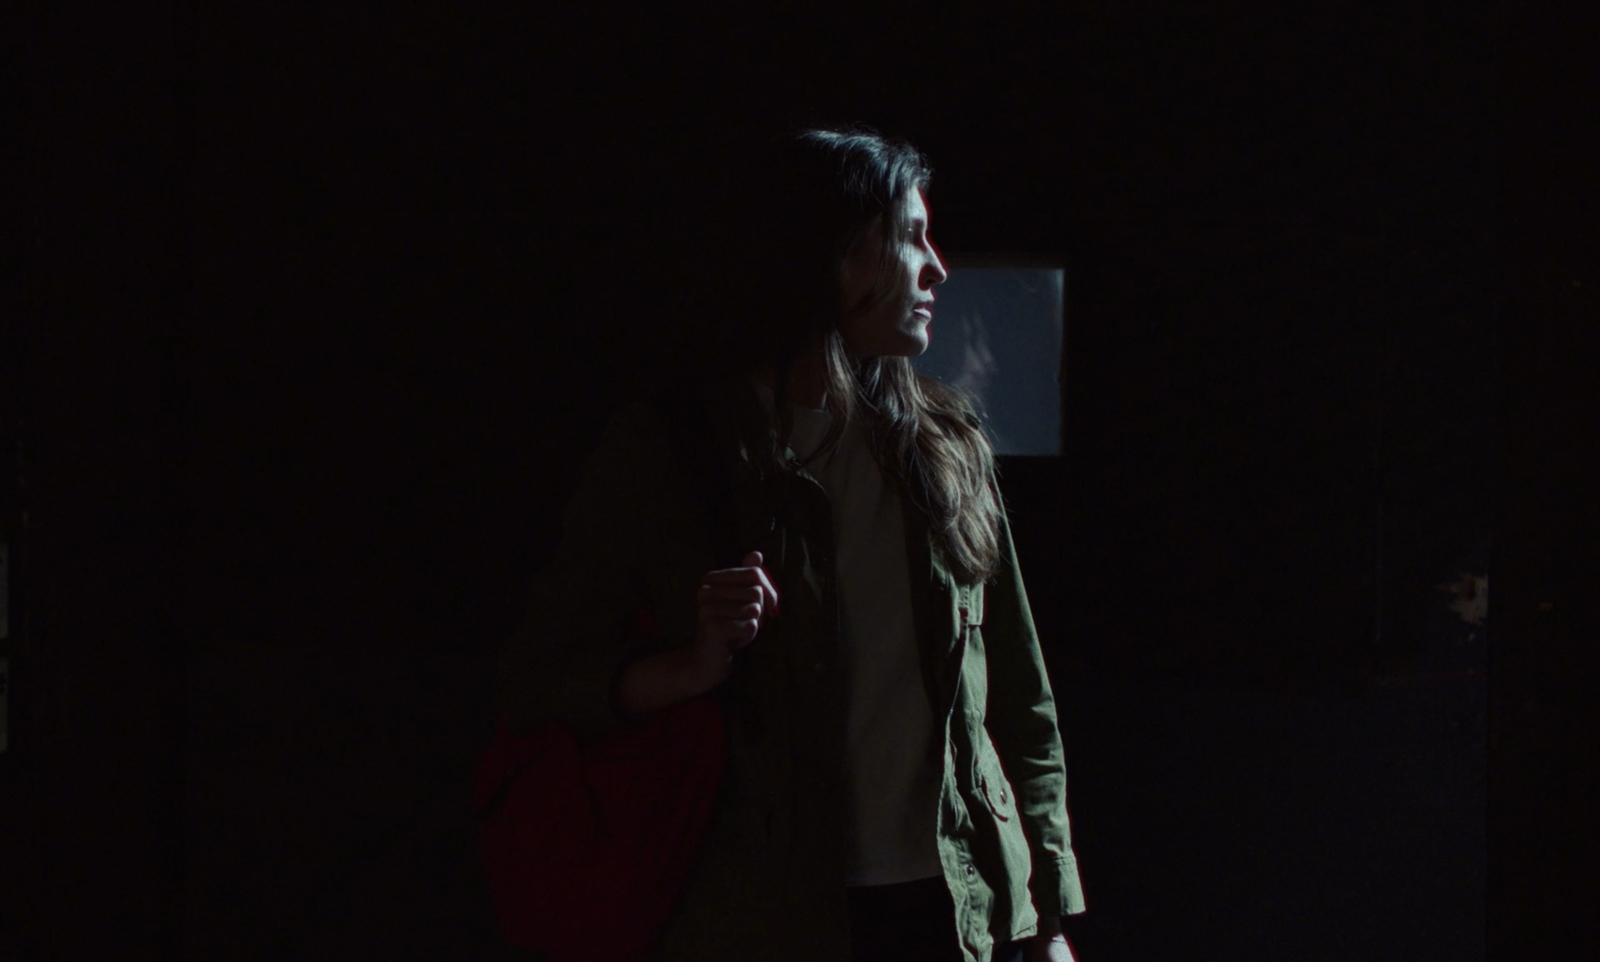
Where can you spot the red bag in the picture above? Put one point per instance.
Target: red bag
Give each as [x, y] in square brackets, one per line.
[588, 847]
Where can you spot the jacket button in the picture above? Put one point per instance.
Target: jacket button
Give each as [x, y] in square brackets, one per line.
[971, 870]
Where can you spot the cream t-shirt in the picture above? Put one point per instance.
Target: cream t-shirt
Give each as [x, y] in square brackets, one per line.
[893, 781]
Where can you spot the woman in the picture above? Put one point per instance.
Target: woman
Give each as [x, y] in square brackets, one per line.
[895, 785]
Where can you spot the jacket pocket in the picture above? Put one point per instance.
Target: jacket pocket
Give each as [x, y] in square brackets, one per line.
[992, 782]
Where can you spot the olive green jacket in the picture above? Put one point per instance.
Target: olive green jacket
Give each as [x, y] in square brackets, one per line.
[767, 884]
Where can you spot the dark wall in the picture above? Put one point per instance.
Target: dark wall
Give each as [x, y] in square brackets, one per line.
[420, 236]
[329, 301]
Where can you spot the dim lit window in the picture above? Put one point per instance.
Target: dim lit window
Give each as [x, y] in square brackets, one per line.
[996, 334]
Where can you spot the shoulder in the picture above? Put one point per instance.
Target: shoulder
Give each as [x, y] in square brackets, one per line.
[619, 468]
[633, 428]
[649, 444]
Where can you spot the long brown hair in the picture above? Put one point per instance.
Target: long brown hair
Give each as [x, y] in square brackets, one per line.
[819, 194]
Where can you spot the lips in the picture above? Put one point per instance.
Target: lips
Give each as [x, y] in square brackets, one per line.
[925, 308]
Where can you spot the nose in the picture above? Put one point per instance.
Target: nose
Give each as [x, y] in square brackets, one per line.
[935, 272]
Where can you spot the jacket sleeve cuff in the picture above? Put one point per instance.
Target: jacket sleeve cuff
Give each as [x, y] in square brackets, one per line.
[1057, 890]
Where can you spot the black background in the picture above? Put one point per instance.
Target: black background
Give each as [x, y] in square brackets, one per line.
[324, 303]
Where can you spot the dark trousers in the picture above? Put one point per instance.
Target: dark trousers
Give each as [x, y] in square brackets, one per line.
[910, 922]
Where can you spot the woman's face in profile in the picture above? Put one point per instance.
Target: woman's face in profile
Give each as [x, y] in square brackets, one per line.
[899, 326]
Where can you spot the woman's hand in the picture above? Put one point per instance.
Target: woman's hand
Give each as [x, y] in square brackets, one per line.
[1049, 945]
[1047, 948]
[733, 602]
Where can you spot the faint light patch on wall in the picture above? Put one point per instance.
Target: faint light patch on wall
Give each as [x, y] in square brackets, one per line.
[978, 366]
[997, 335]
[1469, 597]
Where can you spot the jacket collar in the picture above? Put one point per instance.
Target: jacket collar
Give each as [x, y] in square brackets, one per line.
[739, 418]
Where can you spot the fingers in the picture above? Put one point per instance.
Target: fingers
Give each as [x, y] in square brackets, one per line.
[770, 590]
[731, 612]
[755, 561]
[731, 594]
[733, 626]
[751, 574]
[732, 603]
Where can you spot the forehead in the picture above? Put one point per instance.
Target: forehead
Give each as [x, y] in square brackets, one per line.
[915, 205]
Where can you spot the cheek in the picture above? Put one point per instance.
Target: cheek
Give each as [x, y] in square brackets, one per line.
[910, 267]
